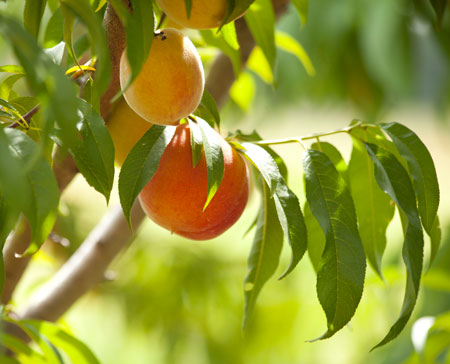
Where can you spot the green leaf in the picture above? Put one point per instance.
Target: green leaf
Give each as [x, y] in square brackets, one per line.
[394, 180]
[21, 349]
[188, 4]
[32, 15]
[260, 19]
[228, 32]
[340, 279]
[42, 183]
[51, 353]
[55, 29]
[12, 69]
[141, 164]
[76, 351]
[265, 253]
[373, 207]
[422, 170]
[7, 85]
[216, 39]
[94, 155]
[97, 35]
[316, 237]
[335, 156]
[139, 29]
[207, 109]
[286, 202]
[439, 8]
[68, 22]
[243, 91]
[235, 8]
[289, 44]
[215, 165]
[302, 9]
[435, 240]
[196, 143]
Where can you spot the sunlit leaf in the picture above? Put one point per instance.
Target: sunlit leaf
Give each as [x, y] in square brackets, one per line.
[7, 85]
[373, 207]
[243, 91]
[141, 164]
[258, 64]
[289, 44]
[54, 31]
[394, 180]
[21, 350]
[340, 279]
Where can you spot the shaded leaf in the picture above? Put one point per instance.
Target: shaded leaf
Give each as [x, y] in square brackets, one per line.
[394, 180]
[55, 29]
[302, 9]
[141, 164]
[340, 279]
[265, 253]
[196, 143]
[316, 237]
[7, 85]
[207, 109]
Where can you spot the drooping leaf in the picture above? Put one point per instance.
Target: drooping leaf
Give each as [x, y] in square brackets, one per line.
[12, 69]
[289, 44]
[139, 29]
[258, 64]
[76, 350]
[439, 8]
[286, 202]
[207, 109]
[302, 9]
[228, 32]
[265, 253]
[42, 183]
[188, 4]
[260, 19]
[373, 207]
[393, 178]
[32, 15]
[196, 143]
[68, 24]
[94, 155]
[235, 8]
[141, 164]
[340, 278]
[422, 170]
[316, 237]
[335, 156]
[435, 240]
[215, 165]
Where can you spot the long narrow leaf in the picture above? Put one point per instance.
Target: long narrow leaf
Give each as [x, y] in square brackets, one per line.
[340, 279]
[394, 180]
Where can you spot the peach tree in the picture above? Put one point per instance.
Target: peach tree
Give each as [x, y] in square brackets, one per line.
[58, 128]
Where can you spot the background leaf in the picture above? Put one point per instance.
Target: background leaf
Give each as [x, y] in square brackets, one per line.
[32, 15]
[340, 279]
[302, 9]
[289, 44]
[207, 109]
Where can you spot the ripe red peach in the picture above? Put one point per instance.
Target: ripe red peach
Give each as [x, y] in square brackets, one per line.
[175, 196]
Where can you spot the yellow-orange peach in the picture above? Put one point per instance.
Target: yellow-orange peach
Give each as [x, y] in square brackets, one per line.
[175, 196]
[204, 13]
[170, 84]
[126, 128]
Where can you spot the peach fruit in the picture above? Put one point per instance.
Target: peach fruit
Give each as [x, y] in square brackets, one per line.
[170, 84]
[175, 196]
[126, 128]
[204, 13]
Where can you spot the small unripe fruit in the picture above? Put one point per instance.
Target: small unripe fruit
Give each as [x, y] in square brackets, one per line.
[175, 196]
[126, 128]
[170, 84]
